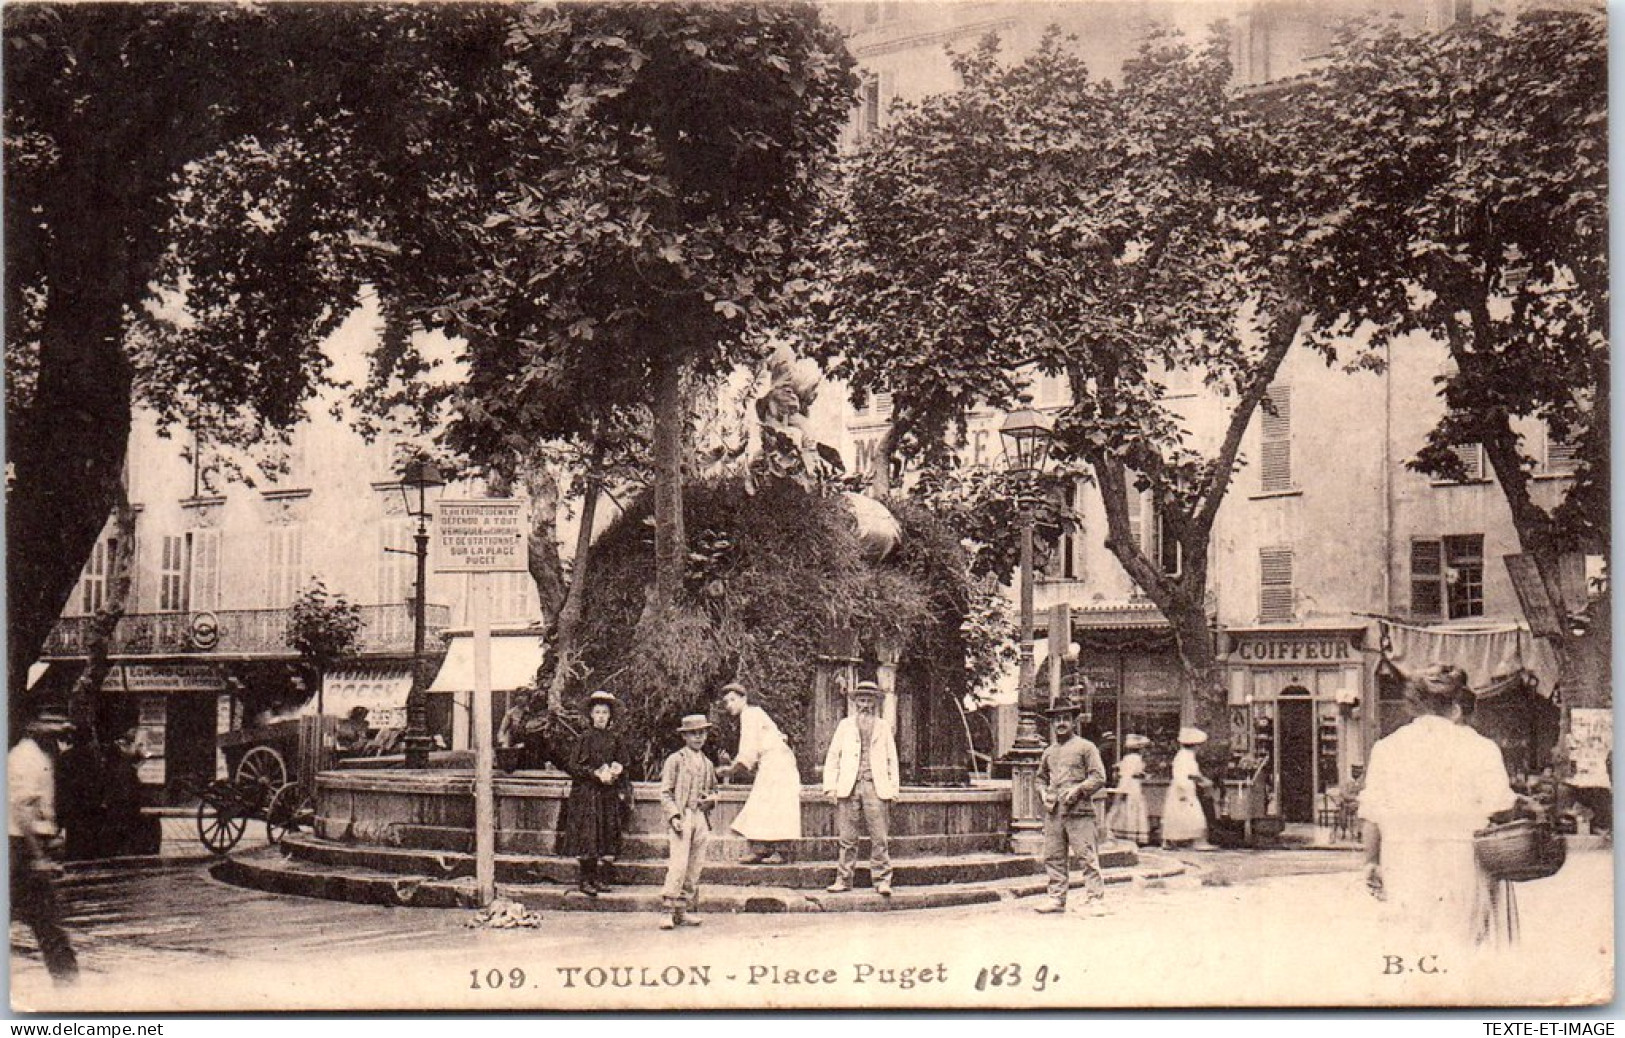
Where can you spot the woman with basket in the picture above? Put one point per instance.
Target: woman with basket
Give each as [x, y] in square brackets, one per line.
[1429, 787]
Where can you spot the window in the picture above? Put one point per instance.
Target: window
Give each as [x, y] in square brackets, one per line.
[1148, 528]
[174, 578]
[1562, 456]
[1067, 562]
[396, 572]
[94, 585]
[1472, 461]
[1275, 596]
[284, 557]
[203, 549]
[1275, 441]
[1447, 577]
[869, 98]
[1170, 554]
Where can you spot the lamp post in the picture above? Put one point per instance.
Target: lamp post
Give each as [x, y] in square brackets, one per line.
[1026, 434]
[419, 477]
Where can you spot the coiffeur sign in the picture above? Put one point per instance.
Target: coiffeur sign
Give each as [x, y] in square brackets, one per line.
[1292, 649]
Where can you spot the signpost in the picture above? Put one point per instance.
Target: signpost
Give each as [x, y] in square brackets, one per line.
[481, 537]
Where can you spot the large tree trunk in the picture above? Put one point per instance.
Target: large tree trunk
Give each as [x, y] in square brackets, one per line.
[670, 439]
[541, 482]
[99, 640]
[567, 645]
[68, 448]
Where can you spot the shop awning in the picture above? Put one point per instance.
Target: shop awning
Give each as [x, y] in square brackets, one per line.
[1127, 616]
[514, 659]
[1491, 654]
[382, 689]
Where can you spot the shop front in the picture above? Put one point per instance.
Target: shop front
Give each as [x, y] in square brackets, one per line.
[1126, 676]
[177, 708]
[1297, 704]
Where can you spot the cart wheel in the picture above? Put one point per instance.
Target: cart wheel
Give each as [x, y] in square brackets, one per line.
[289, 812]
[262, 766]
[219, 826]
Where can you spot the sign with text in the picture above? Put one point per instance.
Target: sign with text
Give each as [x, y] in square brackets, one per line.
[486, 535]
[1293, 649]
[164, 677]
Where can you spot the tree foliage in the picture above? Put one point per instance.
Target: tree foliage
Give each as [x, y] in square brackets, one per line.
[239, 163]
[1463, 180]
[324, 628]
[1043, 219]
[197, 195]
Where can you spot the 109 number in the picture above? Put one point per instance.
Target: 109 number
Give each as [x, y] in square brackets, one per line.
[485, 980]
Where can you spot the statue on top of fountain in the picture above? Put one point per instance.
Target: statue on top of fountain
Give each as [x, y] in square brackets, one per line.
[789, 450]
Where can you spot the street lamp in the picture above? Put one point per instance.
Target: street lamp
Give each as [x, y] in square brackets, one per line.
[420, 481]
[1026, 434]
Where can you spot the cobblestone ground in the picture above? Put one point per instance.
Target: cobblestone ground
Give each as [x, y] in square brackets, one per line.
[1251, 929]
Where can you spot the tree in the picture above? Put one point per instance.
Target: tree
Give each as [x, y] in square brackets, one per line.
[315, 124]
[196, 196]
[641, 223]
[1465, 174]
[325, 630]
[1041, 219]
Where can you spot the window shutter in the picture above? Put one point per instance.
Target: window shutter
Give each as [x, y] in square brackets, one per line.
[274, 546]
[1427, 578]
[1472, 460]
[296, 561]
[1136, 516]
[170, 574]
[1275, 440]
[1275, 584]
[1562, 456]
[205, 569]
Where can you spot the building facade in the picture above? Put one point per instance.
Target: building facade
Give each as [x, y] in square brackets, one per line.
[222, 550]
[1334, 567]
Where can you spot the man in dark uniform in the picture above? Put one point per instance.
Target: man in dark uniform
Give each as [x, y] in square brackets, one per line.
[1070, 773]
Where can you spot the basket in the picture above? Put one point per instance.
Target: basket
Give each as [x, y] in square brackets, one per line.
[1519, 850]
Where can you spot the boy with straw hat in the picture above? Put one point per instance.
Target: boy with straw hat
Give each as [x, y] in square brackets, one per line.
[688, 785]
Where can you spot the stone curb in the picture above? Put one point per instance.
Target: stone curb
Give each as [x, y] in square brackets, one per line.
[272, 872]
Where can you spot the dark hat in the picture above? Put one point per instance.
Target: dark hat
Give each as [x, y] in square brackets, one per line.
[733, 686]
[1062, 708]
[606, 698]
[694, 723]
[866, 688]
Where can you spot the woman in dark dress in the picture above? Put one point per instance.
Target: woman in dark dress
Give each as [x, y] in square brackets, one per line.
[600, 792]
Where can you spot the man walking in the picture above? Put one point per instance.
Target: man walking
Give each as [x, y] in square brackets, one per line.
[31, 794]
[860, 773]
[1070, 773]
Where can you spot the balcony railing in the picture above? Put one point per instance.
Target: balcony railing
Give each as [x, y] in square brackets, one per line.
[385, 628]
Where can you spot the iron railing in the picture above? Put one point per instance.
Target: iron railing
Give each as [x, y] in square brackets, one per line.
[385, 628]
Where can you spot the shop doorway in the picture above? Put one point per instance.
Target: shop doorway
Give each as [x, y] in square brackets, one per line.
[1295, 732]
[188, 744]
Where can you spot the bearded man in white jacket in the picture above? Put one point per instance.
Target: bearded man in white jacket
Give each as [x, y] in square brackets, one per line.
[860, 773]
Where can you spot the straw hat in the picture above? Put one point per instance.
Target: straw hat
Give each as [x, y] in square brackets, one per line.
[606, 698]
[1192, 737]
[694, 723]
[1135, 741]
[866, 688]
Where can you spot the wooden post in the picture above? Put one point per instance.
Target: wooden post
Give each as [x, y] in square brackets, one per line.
[484, 799]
